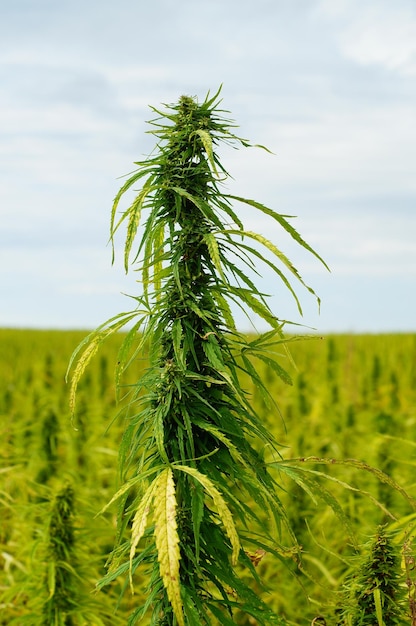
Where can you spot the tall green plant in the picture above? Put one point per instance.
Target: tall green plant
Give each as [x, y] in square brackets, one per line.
[56, 591]
[192, 458]
[376, 595]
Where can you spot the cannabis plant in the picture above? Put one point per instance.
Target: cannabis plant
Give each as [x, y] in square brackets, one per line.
[56, 589]
[193, 458]
[375, 595]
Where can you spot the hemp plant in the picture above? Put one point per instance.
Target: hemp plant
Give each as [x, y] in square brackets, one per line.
[193, 455]
[56, 591]
[376, 594]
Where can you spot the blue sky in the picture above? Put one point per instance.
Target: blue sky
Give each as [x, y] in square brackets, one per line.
[328, 85]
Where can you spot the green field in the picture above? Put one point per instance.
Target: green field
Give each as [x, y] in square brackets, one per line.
[352, 398]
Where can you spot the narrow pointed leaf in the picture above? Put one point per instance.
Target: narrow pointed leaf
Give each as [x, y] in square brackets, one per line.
[167, 540]
[207, 143]
[283, 222]
[214, 253]
[221, 506]
[140, 522]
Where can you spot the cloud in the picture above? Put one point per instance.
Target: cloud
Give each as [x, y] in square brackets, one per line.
[378, 33]
[327, 85]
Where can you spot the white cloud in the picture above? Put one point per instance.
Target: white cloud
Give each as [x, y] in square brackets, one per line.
[379, 33]
[330, 91]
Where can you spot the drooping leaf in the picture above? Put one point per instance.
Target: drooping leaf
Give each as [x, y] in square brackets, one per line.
[197, 509]
[214, 253]
[221, 506]
[276, 252]
[282, 221]
[167, 540]
[207, 143]
[82, 363]
[140, 521]
[134, 214]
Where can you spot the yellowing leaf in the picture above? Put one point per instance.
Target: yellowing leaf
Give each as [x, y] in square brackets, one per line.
[167, 540]
[214, 252]
[82, 363]
[221, 506]
[134, 213]
[158, 240]
[207, 143]
[140, 521]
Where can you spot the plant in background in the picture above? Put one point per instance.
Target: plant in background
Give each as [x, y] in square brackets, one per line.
[375, 595]
[61, 565]
[56, 591]
[193, 459]
[409, 566]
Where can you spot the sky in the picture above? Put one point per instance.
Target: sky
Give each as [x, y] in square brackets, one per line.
[329, 86]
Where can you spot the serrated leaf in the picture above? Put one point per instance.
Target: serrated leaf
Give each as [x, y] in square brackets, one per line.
[134, 214]
[201, 204]
[124, 351]
[214, 252]
[378, 606]
[128, 485]
[282, 221]
[177, 336]
[167, 540]
[197, 509]
[140, 522]
[278, 253]
[275, 269]
[227, 208]
[218, 433]
[207, 143]
[159, 429]
[135, 177]
[158, 240]
[82, 363]
[88, 348]
[225, 309]
[274, 365]
[255, 305]
[221, 506]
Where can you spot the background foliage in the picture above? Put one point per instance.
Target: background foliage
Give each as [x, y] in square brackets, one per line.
[353, 398]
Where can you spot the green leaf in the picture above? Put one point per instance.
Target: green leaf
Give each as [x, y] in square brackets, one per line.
[225, 206]
[133, 213]
[51, 578]
[221, 506]
[253, 252]
[255, 305]
[282, 221]
[158, 253]
[207, 143]
[201, 204]
[379, 607]
[214, 253]
[225, 309]
[276, 252]
[125, 349]
[177, 336]
[134, 178]
[197, 509]
[159, 429]
[274, 365]
[88, 348]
